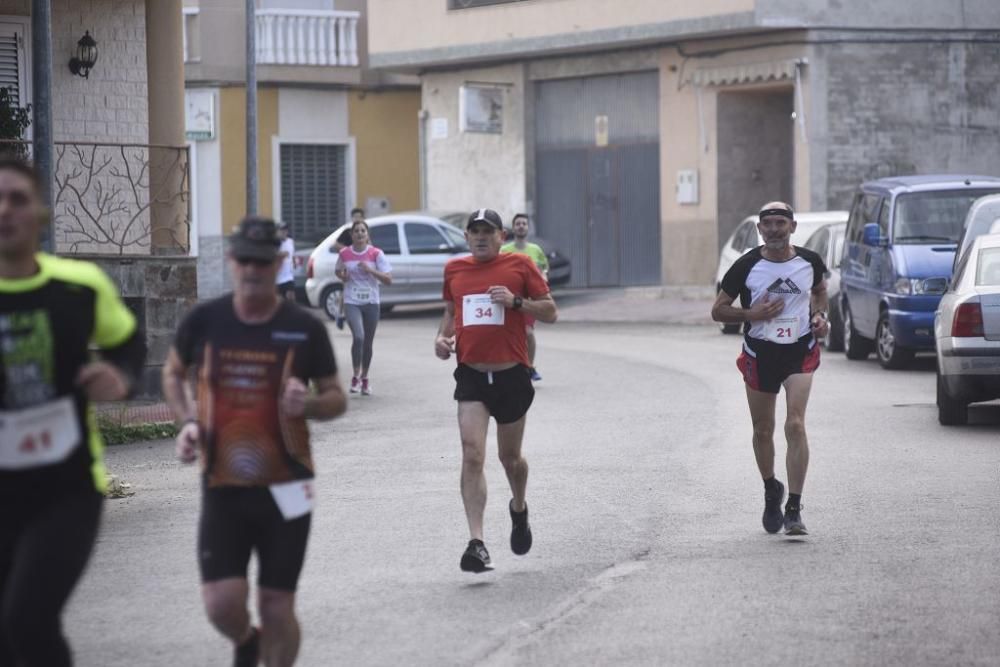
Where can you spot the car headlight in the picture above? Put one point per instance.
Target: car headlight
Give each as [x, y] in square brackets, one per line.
[907, 286]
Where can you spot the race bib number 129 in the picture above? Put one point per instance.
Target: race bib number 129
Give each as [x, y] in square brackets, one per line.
[478, 310]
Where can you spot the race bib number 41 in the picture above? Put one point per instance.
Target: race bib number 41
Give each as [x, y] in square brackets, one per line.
[38, 436]
[783, 330]
[478, 310]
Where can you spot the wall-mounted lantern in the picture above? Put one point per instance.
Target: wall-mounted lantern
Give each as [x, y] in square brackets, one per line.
[85, 58]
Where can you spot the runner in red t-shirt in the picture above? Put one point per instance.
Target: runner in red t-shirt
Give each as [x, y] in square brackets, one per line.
[487, 297]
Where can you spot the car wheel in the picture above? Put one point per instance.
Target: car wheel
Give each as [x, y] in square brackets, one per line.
[385, 308]
[834, 341]
[330, 300]
[856, 347]
[951, 412]
[890, 354]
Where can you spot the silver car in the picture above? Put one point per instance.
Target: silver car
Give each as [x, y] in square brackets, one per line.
[418, 245]
[967, 333]
[828, 243]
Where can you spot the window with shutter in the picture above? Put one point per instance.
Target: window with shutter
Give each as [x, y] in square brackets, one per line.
[313, 188]
[12, 62]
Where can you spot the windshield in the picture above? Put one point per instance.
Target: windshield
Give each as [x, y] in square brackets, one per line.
[932, 217]
[988, 272]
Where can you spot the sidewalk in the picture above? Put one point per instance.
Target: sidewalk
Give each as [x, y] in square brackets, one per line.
[686, 305]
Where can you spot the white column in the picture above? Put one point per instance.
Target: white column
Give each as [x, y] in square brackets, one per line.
[352, 41]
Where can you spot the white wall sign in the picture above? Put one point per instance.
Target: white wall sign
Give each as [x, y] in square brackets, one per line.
[439, 128]
[687, 186]
[480, 108]
[199, 114]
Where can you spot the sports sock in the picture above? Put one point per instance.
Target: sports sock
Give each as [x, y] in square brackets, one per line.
[794, 500]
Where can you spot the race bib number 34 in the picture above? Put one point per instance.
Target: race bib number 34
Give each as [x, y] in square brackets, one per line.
[783, 330]
[478, 310]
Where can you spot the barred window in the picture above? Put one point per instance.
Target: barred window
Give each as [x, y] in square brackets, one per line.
[313, 189]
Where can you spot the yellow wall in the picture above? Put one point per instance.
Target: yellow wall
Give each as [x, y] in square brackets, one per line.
[232, 139]
[385, 128]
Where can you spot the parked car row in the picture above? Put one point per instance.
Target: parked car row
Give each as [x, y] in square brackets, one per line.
[914, 267]
[418, 245]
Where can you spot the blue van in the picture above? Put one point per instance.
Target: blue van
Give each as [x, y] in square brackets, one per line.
[899, 249]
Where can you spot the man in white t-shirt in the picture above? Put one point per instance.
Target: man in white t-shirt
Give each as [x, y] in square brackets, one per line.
[783, 309]
[286, 274]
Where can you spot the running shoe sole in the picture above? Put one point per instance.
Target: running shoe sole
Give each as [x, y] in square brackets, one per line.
[796, 529]
[472, 564]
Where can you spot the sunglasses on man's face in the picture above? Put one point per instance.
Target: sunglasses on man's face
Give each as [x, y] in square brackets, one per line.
[254, 261]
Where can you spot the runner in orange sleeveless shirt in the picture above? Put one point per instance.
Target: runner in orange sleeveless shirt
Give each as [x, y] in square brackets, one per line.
[487, 297]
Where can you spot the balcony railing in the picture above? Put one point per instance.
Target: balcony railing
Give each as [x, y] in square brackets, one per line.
[302, 37]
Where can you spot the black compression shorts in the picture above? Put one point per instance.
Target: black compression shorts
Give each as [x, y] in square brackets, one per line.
[506, 394]
[236, 521]
[765, 365]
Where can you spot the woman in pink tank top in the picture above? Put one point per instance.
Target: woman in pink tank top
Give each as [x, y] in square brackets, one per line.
[363, 268]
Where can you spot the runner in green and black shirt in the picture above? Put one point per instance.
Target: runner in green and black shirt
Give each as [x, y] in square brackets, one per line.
[52, 477]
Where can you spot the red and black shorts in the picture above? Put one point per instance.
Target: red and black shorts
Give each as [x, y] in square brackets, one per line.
[765, 365]
[506, 394]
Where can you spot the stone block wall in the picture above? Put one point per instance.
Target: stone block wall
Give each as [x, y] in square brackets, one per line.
[160, 291]
[111, 105]
[909, 108]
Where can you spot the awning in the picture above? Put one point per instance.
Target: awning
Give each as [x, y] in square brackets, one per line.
[775, 70]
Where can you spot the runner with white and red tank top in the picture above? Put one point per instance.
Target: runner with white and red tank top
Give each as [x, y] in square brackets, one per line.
[363, 268]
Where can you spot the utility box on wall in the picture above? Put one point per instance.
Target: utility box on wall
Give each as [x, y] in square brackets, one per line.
[687, 186]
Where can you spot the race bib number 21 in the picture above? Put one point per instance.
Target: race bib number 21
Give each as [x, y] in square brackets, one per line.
[783, 330]
[478, 310]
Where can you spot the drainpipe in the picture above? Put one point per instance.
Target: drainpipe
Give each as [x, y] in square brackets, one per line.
[251, 25]
[41, 109]
[422, 117]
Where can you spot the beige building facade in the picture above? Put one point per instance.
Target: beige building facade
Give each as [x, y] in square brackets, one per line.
[331, 134]
[639, 134]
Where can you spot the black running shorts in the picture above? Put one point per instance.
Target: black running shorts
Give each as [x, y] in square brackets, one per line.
[506, 394]
[765, 365]
[238, 520]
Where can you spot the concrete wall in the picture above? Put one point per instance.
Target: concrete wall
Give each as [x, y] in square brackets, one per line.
[909, 108]
[469, 170]
[385, 126]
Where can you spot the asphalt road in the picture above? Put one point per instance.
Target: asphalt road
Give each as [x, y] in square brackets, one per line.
[646, 513]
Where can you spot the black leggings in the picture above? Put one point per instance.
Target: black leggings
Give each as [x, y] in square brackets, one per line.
[362, 320]
[42, 554]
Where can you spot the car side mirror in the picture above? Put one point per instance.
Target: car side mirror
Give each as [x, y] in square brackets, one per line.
[871, 235]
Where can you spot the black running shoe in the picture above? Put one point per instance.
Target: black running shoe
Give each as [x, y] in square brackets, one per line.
[247, 654]
[476, 558]
[520, 532]
[772, 518]
[793, 521]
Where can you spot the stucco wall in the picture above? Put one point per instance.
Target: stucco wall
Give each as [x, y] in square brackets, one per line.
[469, 170]
[384, 124]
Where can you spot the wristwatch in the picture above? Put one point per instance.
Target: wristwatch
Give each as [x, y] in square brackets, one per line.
[518, 302]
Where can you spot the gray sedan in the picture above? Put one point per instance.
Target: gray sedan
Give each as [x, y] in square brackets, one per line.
[967, 333]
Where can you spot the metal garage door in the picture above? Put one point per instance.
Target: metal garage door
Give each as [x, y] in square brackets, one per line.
[598, 176]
